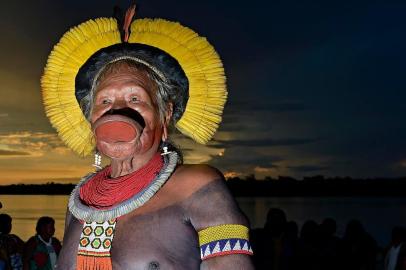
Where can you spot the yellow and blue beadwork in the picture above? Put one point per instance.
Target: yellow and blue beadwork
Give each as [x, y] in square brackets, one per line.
[223, 240]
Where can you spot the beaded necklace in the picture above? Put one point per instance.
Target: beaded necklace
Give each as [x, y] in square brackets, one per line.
[99, 223]
[89, 214]
[103, 192]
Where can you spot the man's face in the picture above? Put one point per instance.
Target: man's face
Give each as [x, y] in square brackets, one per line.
[48, 230]
[125, 116]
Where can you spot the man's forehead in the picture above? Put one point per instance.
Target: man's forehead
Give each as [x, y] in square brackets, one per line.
[122, 74]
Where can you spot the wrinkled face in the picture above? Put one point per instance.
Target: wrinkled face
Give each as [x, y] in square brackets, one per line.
[125, 118]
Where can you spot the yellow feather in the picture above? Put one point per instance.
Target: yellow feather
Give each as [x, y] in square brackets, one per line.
[58, 81]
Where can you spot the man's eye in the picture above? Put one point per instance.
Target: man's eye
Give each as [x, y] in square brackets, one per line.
[106, 101]
[134, 99]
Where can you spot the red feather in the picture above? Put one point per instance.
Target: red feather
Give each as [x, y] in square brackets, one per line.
[129, 14]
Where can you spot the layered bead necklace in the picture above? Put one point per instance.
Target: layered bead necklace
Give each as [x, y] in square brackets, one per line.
[99, 200]
[103, 192]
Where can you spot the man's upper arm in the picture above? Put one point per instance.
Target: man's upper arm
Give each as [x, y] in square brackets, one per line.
[212, 209]
[213, 205]
[68, 218]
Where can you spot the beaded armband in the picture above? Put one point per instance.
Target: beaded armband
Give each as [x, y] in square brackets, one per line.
[223, 240]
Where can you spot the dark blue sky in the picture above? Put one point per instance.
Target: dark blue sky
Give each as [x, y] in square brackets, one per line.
[315, 87]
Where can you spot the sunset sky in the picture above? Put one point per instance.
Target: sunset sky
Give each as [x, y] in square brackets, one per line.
[315, 87]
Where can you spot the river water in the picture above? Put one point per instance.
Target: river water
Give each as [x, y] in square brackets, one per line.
[378, 215]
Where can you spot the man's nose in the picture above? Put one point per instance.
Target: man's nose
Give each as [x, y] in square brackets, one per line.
[119, 104]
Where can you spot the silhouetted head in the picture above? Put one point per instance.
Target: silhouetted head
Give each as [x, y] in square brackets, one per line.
[354, 230]
[275, 221]
[45, 227]
[309, 231]
[328, 227]
[5, 223]
[398, 235]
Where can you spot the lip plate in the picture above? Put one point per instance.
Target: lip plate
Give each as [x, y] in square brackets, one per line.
[118, 118]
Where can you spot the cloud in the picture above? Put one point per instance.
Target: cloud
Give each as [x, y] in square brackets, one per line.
[231, 174]
[257, 115]
[307, 168]
[242, 161]
[194, 153]
[243, 126]
[257, 106]
[265, 142]
[62, 150]
[30, 144]
[265, 170]
[4, 152]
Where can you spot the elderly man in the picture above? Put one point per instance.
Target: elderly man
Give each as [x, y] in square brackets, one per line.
[118, 88]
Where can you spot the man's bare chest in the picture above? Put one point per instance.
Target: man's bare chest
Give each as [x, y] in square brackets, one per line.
[162, 239]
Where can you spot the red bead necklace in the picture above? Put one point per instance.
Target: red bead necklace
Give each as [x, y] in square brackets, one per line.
[103, 192]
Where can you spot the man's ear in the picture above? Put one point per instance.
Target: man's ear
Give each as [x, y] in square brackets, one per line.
[168, 117]
[168, 114]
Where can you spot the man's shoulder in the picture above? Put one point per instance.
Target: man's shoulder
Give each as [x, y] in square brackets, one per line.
[189, 179]
[198, 172]
[208, 201]
[195, 176]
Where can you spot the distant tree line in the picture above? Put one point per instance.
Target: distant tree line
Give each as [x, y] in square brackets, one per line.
[317, 186]
[249, 186]
[40, 189]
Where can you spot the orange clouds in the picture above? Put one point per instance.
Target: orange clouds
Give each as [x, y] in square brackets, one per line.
[231, 174]
[27, 144]
[38, 157]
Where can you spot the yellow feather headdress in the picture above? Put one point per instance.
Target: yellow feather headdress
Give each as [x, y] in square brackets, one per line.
[197, 58]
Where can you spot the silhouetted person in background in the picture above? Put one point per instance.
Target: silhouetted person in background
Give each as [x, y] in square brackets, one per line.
[271, 248]
[292, 231]
[291, 260]
[396, 255]
[330, 245]
[360, 248]
[309, 246]
[41, 250]
[11, 246]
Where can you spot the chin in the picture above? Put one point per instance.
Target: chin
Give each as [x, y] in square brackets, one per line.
[119, 150]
